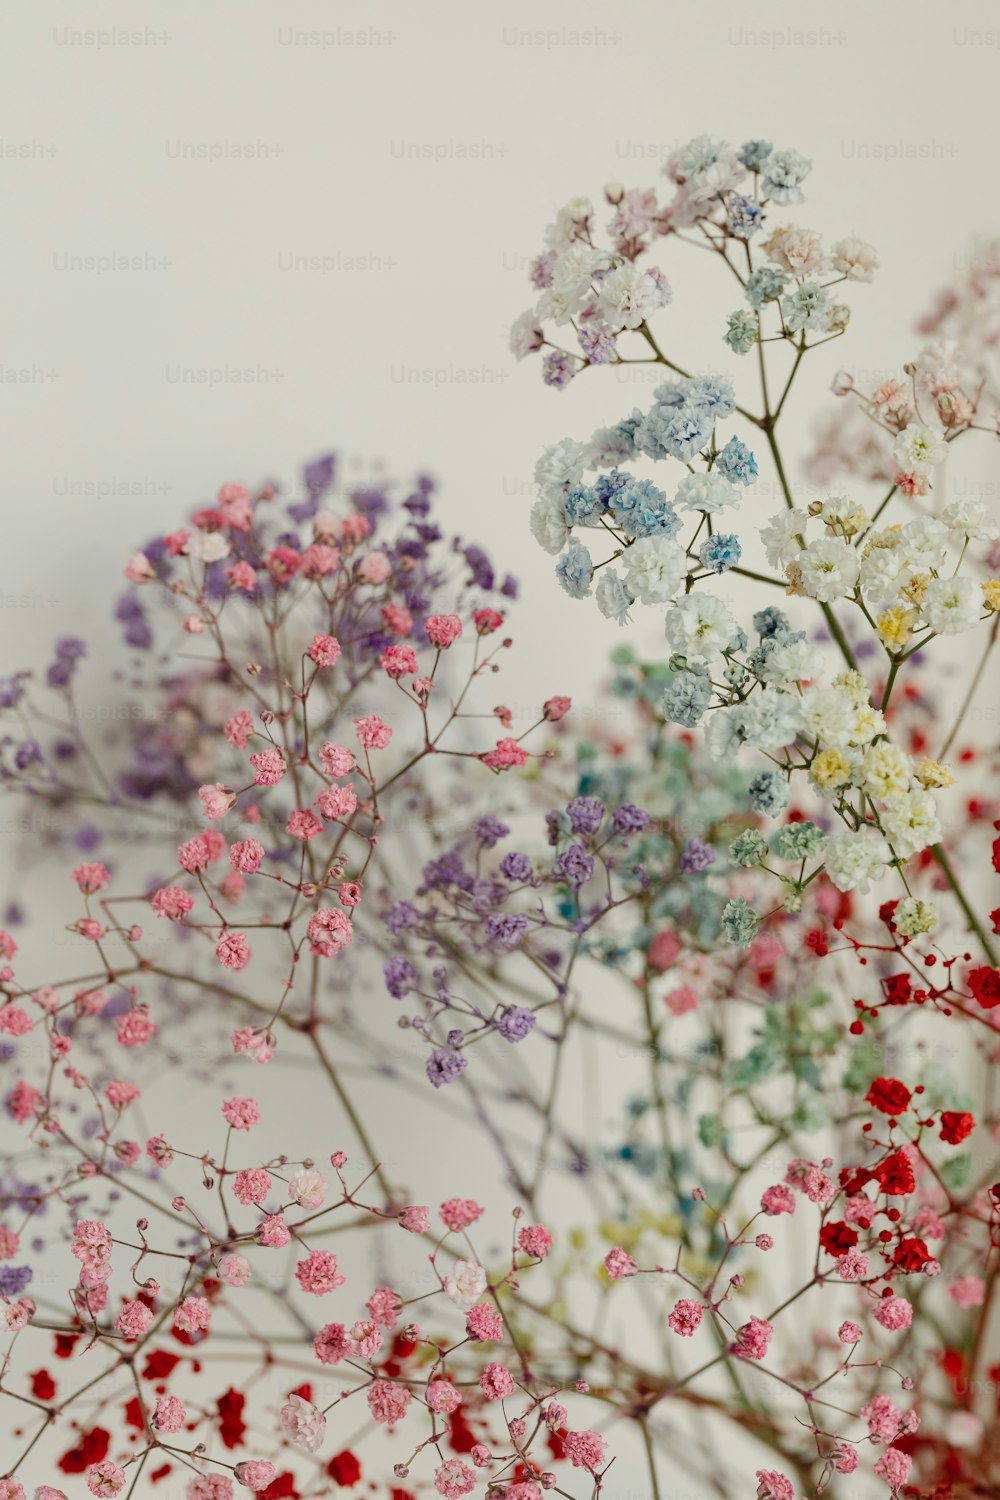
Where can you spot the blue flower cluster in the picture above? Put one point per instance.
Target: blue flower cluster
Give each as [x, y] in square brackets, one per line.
[681, 421]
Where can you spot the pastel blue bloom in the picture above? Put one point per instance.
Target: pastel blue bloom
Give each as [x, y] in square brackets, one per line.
[739, 922]
[741, 332]
[687, 698]
[774, 624]
[720, 552]
[671, 393]
[765, 284]
[668, 432]
[714, 392]
[754, 153]
[807, 307]
[781, 174]
[575, 570]
[641, 509]
[583, 508]
[737, 463]
[768, 792]
[744, 216]
[606, 486]
[799, 841]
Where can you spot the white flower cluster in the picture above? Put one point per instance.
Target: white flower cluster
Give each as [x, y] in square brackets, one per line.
[906, 575]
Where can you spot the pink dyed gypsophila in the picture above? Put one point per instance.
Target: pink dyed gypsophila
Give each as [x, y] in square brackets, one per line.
[496, 1382]
[241, 1113]
[232, 950]
[329, 931]
[681, 1001]
[91, 878]
[119, 1092]
[319, 561]
[894, 1313]
[336, 802]
[685, 1316]
[349, 893]
[246, 855]
[9, 1243]
[269, 767]
[303, 824]
[557, 708]
[194, 855]
[883, 1416]
[534, 1239]
[585, 1450]
[848, 1332]
[318, 1273]
[753, 1338]
[170, 901]
[235, 1270]
[853, 1266]
[773, 1486]
[484, 1323]
[387, 1401]
[303, 1422]
[134, 1028]
[384, 1305]
[337, 759]
[255, 1475]
[15, 1021]
[138, 569]
[443, 630]
[416, 1218]
[251, 1185]
[453, 1478]
[23, 1101]
[365, 1339]
[324, 650]
[442, 1397]
[252, 1041]
[330, 1344]
[966, 1292]
[777, 1200]
[372, 733]
[105, 1478]
[133, 1319]
[487, 621]
[845, 1458]
[506, 753]
[216, 800]
[375, 568]
[894, 1467]
[399, 661]
[458, 1213]
[192, 1314]
[92, 1246]
[272, 1232]
[169, 1414]
[238, 729]
[242, 576]
[397, 618]
[619, 1264]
